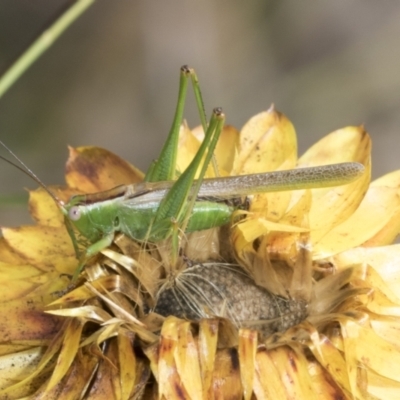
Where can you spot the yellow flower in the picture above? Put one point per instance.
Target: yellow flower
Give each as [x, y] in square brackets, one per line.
[325, 254]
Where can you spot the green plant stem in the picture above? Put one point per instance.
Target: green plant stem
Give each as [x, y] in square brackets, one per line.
[42, 43]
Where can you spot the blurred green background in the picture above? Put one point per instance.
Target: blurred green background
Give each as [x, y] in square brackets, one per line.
[111, 80]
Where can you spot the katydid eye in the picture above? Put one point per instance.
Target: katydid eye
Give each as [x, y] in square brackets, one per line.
[74, 213]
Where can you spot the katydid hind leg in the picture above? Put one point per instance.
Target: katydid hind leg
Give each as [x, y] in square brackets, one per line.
[212, 136]
[174, 205]
[164, 168]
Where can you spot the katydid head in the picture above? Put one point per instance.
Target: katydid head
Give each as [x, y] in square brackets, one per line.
[79, 215]
[76, 213]
[95, 215]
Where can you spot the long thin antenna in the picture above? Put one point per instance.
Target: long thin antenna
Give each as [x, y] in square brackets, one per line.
[27, 171]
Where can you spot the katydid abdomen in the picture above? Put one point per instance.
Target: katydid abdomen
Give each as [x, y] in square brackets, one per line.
[204, 215]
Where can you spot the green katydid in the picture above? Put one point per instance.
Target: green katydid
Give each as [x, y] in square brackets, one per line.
[149, 211]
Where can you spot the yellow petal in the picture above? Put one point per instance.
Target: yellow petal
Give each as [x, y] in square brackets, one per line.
[226, 149]
[188, 146]
[23, 318]
[331, 359]
[226, 377]
[323, 385]
[43, 246]
[387, 327]
[389, 180]
[347, 144]
[371, 279]
[293, 372]
[331, 206]
[187, 361]
[391, 229]
[343, 145]
[256, 227]
[152, 353]
[105, 384]
[379, 303]
[127, 364]
[224, 152]
[267, 141]
[375, 214]
[381, 387]
[68, 351]
[384, 260]
[8, 254]
[90, 313]
[207, 342]
[16, 365]
[300, 206]
[282, 242]
[384, 359]
[271, 387]
[74, 383]
[170, 384]
[92, 169]
[247, 356]
[18, 280]
[44, 210]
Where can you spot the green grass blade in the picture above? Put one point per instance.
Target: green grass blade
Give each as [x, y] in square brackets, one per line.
[41, 44]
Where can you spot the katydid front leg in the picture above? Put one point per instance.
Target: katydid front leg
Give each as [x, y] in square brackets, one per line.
[92, 250]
